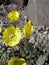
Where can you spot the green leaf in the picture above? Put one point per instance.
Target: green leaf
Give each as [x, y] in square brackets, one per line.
[29, 48]
[41, 60]
[47, 50]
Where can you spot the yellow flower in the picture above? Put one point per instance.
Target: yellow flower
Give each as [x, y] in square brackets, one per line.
[0, 29]
[11, 36]
[13, 16]
[28, 29]
[17, 61]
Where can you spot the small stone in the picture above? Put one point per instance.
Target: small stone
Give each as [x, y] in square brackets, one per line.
[45, 32]
[32, 40]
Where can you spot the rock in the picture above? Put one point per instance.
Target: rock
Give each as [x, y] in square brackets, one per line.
[32, 40]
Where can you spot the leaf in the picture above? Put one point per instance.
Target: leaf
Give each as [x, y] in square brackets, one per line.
[41, 60]
[29, 48]
[47, 50]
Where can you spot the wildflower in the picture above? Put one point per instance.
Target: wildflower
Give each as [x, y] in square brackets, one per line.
[11, 36]
[28, 29]
[0, 29]
[13, 16]
[17, 61]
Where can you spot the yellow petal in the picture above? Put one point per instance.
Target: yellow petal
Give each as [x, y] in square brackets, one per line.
[28, 29]
[17, 61]
[13, 16]
[11, 36]
[0, 29]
